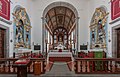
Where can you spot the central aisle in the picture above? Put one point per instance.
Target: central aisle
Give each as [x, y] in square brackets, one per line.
[59, 69]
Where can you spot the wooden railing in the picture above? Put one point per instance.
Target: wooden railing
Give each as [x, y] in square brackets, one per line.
[6, 65]
[97, 66]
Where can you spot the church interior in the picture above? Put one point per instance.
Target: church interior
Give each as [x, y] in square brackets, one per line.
[59, 38]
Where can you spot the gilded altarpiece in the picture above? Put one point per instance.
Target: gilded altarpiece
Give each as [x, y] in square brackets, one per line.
[98, 29]
[22, 29]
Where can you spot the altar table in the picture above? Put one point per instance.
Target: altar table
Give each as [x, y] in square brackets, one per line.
[59, 56]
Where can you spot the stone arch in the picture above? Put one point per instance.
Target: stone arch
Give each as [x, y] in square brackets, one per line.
[56, 4]
[65, 4]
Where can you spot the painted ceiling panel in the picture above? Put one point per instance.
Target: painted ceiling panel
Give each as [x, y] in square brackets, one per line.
[60, 17]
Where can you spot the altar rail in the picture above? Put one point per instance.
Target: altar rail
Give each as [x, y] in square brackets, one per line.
[97, 66]
[6, 65]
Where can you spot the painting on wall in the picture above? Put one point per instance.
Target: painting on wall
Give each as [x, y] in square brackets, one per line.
[5, 9]
[22, 28]
[98, 29]
[115, 9]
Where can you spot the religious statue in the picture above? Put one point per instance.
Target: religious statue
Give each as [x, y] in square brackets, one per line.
[93, 36]
[22, 28]
[98, 28]
[60, 39]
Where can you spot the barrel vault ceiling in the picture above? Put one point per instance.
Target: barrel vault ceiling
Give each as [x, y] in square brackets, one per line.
[60, 17]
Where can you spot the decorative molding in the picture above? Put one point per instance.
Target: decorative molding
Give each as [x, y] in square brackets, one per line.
[5, 21]
[114, 21]
[98, 26]
[22, 27]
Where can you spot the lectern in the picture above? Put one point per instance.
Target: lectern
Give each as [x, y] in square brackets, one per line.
[22, 67]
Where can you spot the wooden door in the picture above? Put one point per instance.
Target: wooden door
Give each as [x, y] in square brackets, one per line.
[2, 43]
[118, 43]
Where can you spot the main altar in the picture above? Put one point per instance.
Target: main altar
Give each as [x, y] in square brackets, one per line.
[60, 56]
[64, 56]
[59, 52]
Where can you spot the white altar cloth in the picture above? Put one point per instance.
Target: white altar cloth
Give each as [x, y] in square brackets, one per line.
[60, 54]
[58, 50]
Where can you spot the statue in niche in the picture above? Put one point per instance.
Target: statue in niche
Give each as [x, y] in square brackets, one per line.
[93, 36]
[22, 28]
[20, 33]
[60, 39]
[99, 28]
[27, 41]
[101, 32]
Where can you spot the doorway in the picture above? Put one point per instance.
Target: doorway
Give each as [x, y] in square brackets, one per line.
[118, 43]
[2, 43]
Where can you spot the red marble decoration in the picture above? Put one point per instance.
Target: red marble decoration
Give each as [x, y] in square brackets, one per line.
[115, 9]
[5, 9]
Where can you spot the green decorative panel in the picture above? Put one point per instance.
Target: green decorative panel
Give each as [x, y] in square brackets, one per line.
[98, 54]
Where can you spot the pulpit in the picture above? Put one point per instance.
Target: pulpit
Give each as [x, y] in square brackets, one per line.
[22, 67]
[37, 68]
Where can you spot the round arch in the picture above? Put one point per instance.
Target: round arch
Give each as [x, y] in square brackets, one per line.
[56, 4]
[65, 4]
